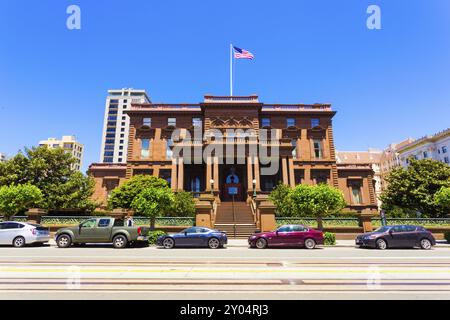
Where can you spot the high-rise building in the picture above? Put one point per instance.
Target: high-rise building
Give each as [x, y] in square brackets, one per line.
[2, 157]
[116, 124]
[70, 145]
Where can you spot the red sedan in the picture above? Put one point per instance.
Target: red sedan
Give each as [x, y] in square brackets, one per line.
[287, 236]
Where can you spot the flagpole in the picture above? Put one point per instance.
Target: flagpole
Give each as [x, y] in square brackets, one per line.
[231, 69]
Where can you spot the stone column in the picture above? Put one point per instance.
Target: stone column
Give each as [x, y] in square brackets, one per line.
[216, 174]
[208, 174]
[285, 172]
[257, 175]
[180, 173]
[249, 174]
[291, 173]
[365, 220]
[156, 170]
[173, 177]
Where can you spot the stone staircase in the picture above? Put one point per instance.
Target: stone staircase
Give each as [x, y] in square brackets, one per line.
[238, 226]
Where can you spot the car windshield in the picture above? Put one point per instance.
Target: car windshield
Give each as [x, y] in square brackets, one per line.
[382, 229]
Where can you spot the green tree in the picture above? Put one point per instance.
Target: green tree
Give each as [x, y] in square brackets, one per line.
[414, 188]
[280, 196]
[318, 201]
[442, 199]
[15, 199]
[123, 196]
[153, 202]
[183, 205]
[51, 171]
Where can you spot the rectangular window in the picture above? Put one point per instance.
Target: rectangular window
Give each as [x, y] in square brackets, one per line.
[147, 122]
[109, 147]
[145, 148]
[315, 122]
[356, 194]
[444, 149]
[110, 135]
[290, 122]
[112, 118]
[265, 122]
[111, 123]
[447, 160]
[294, 150]
[114, 101]
[108, 153]
[425, 154]
[318, 149]
[197, 122]
[109, 141]
[172, 122]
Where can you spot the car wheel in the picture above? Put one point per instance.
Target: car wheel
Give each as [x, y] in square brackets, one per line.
[213, 243]
[381, 244]
[168, 243]
[425, 244]
[120, 241]
[310, 244]
[261, 243]
[63, 241]
[19, 242]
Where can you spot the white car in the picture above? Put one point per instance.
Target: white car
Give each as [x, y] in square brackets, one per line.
[20, 234]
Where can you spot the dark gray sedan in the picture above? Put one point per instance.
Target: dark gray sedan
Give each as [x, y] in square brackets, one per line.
[401, 236]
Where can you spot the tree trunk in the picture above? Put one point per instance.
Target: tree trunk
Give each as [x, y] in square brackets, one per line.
[319, 223]
[152, 223]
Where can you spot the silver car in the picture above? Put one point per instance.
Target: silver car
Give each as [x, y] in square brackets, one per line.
[20, 234]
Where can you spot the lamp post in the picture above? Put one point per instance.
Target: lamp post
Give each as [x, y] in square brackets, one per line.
[254, 188]
[212, 186]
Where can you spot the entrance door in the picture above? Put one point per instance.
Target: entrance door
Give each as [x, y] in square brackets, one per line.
[233, 182]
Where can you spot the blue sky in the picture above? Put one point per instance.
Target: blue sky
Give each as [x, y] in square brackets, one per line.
[386, 84]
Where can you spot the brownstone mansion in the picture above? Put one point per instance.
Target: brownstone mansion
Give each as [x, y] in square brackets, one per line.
[236, 148]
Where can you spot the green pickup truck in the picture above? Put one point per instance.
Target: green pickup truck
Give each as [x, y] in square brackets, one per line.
[101, 230]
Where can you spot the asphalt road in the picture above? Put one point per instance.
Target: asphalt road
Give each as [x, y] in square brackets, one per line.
[101, 272]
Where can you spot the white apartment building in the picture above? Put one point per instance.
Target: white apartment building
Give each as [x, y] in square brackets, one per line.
[70, 145]
[2, 157]
[434, 147]
[116, 124]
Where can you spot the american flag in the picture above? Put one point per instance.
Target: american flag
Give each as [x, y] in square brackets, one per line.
[242, 54]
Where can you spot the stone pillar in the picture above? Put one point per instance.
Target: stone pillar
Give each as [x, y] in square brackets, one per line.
[180, 173]
[203, 211]
[34, 215]
[365, 220]
[208, 174]
[156, 170]
[249, 174]
[257, 175]
[173, 176]
[291, 173]
[285, 172]
[216, 174]
[267, 216]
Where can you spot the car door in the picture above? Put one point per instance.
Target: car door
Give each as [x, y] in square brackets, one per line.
[8, 231]
[411, 236]
[4, 233]
[298, 235]
[102, 233]
[281, 237]
[86, 231]
[398, 237]
[185, 237]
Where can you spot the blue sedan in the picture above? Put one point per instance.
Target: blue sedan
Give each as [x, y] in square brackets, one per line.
[194, 237]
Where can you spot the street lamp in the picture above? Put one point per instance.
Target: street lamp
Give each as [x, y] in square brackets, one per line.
[254, 188]
[212, 186]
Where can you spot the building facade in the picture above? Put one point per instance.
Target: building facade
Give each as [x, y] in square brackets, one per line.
[70, 145]
[434, 147]
[236, 147]
[370, 158]
[116, 124]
